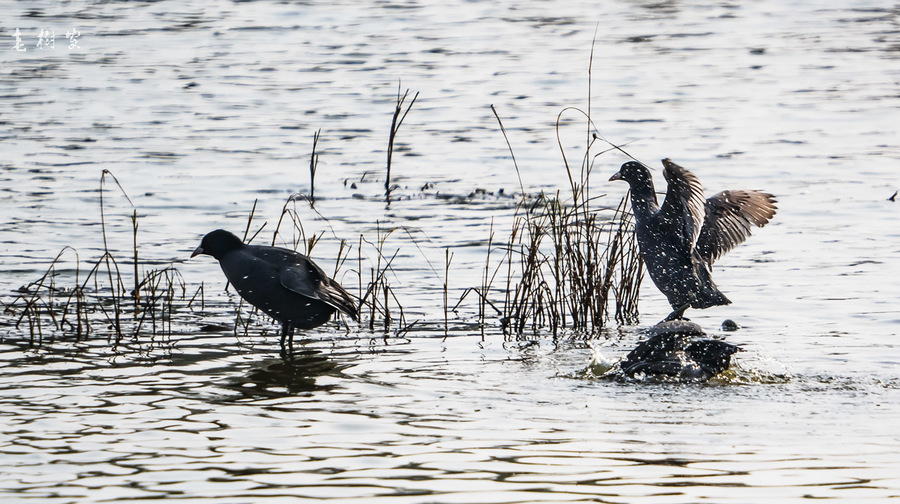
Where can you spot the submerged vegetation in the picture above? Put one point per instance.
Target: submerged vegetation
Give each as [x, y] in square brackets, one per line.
[566, 263]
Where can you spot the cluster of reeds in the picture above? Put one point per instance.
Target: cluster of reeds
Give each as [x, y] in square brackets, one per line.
[100, 301]
[566, 266]
[379, 305]
[567, 262]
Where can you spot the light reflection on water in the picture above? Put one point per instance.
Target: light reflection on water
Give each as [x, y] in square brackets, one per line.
[199, 108]
[420, 417]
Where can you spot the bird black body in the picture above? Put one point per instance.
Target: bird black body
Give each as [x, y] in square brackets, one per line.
[677, 351]
[284, 284]
[681, 239]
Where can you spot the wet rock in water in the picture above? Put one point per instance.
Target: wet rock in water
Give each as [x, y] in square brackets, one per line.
[676, 351]
[730, 325]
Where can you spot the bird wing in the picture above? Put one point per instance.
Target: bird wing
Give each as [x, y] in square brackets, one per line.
[729, 217]
[307, 279]
[302, 277]
[684, 203]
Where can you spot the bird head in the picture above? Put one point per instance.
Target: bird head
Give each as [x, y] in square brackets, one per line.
[634, 173]
[218, 243]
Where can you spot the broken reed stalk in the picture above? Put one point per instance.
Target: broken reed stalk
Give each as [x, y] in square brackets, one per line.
[396, 121]
[448, 258]
[343, 254]
[485, 283]
[198, 292]
[387, 311]
[313, 164]
[116, 285]
[250, 222]
[509, 147]
[116, 289]
[136, 292]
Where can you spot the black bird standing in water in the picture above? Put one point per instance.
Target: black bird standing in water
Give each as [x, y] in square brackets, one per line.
[680, 240]
[284, 284]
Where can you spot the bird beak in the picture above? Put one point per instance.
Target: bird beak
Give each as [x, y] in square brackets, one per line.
[197, 251]
[616, 176]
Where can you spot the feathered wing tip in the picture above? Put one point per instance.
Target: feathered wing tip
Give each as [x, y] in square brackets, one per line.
[306, 278]
[730, 216]
[331, 293]
[759, 207]
[684, 194]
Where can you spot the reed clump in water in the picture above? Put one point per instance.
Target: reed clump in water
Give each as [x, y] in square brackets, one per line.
[567, 268]
[99, 302]
[566, 263]
[569, 265]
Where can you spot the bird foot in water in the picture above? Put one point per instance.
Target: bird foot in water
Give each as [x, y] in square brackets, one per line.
[287, 336]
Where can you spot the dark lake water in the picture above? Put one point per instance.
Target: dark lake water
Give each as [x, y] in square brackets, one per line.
[201, 108]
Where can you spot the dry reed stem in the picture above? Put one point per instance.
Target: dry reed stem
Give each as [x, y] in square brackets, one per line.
[396, 121]
[313, 165]
[448, 258]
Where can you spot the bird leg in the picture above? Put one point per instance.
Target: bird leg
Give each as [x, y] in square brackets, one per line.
[287, 335]
[678, 313]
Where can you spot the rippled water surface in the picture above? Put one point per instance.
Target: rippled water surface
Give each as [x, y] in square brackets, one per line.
[200, 108]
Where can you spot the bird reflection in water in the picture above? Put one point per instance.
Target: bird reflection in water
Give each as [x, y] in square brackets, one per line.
[288, 375]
